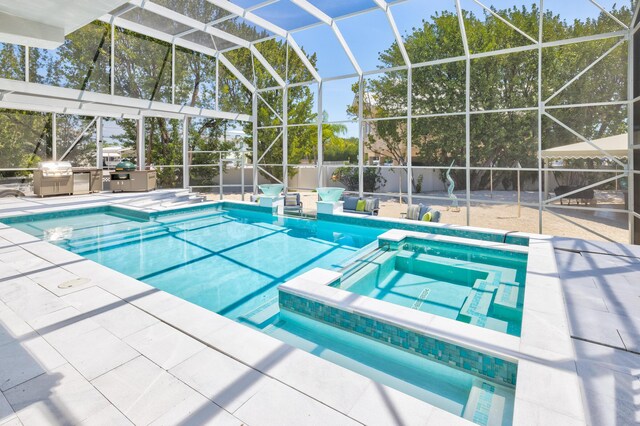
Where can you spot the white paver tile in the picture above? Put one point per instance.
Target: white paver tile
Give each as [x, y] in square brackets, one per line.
[6, 412]
[194, 320]
[95, 352]
[381, 405]
[606, 410]
[155, 302]
[16, 287]
[25, 262]
[631, 340]
[546, 331]
[164, 345]
[263, 352]
[196, 410]
[22, 361]
[59, 281]
[14, 421]
[142, 390]
[108, 416]
[600, 379]
[12, 327]
[52, 253]
[586, 301]
[33, 302]
[61, 396]
[554, 388]
[220, 378]
[527, 413]
[440, 417]
[116, 315]
[601, 327]
[63, 325]
[279, 405]
[615, 359]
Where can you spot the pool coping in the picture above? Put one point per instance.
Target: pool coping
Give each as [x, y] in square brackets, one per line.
[547, 390]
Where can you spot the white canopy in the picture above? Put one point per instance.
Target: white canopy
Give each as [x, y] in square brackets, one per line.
[616, 146]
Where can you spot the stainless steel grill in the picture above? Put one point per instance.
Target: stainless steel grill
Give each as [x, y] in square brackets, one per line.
[55, 169]
[53, 178]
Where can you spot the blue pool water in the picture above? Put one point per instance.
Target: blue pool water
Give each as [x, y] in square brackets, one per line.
[484, 287]
[228, 261]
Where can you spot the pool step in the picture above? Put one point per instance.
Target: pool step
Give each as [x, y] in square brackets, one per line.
[115, 240]
[476, 307]
[440, 268]
[479, 304]
[488, 404]
[261, 314]
[505, 304]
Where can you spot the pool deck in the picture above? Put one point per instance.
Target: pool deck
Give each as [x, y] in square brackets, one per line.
[82, 344]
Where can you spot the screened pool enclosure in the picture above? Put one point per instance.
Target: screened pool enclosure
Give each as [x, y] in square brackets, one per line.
[456, 104]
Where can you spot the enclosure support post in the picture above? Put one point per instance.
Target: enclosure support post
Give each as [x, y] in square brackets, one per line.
[541, 197]
[360, 137]
[285, 139]
[217, 108]
[468, 139]
[409, 147]
[220, 176]
[467, 102]
[242, 157]
[140, 142]
[320, 147]
[545, 165]
[185, 152]
[99, 143]
[173, 73]
[26, 64]
[112, 62]
[634, 233]
[54, 136]
[254, 160]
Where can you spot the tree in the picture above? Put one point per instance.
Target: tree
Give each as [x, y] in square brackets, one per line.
[497, 82]
[302, 140]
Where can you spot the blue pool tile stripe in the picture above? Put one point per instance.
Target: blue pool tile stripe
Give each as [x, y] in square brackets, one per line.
[469, 360]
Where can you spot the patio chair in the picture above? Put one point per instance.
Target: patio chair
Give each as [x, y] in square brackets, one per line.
[418, 212]
[292, 203]
[368, 206]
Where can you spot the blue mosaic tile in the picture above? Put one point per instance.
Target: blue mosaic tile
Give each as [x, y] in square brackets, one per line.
[499, 237]
[486, 366]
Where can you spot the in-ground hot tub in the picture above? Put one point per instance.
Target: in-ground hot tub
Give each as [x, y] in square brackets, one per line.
[478, 284]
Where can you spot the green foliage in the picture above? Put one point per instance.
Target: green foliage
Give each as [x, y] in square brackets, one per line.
[497, 82]
[11, 61]
[348, 176]
[25, 138]
[341, 149]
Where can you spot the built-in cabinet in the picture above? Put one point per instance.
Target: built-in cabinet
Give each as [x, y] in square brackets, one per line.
[48, 185]
[134, 181]
[80, 181]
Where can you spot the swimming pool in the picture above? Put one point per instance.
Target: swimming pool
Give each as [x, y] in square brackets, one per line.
[228, 261]
[483, 286]
[231, 261]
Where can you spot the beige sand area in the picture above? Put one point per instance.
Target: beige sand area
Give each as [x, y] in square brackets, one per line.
[574, 222]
